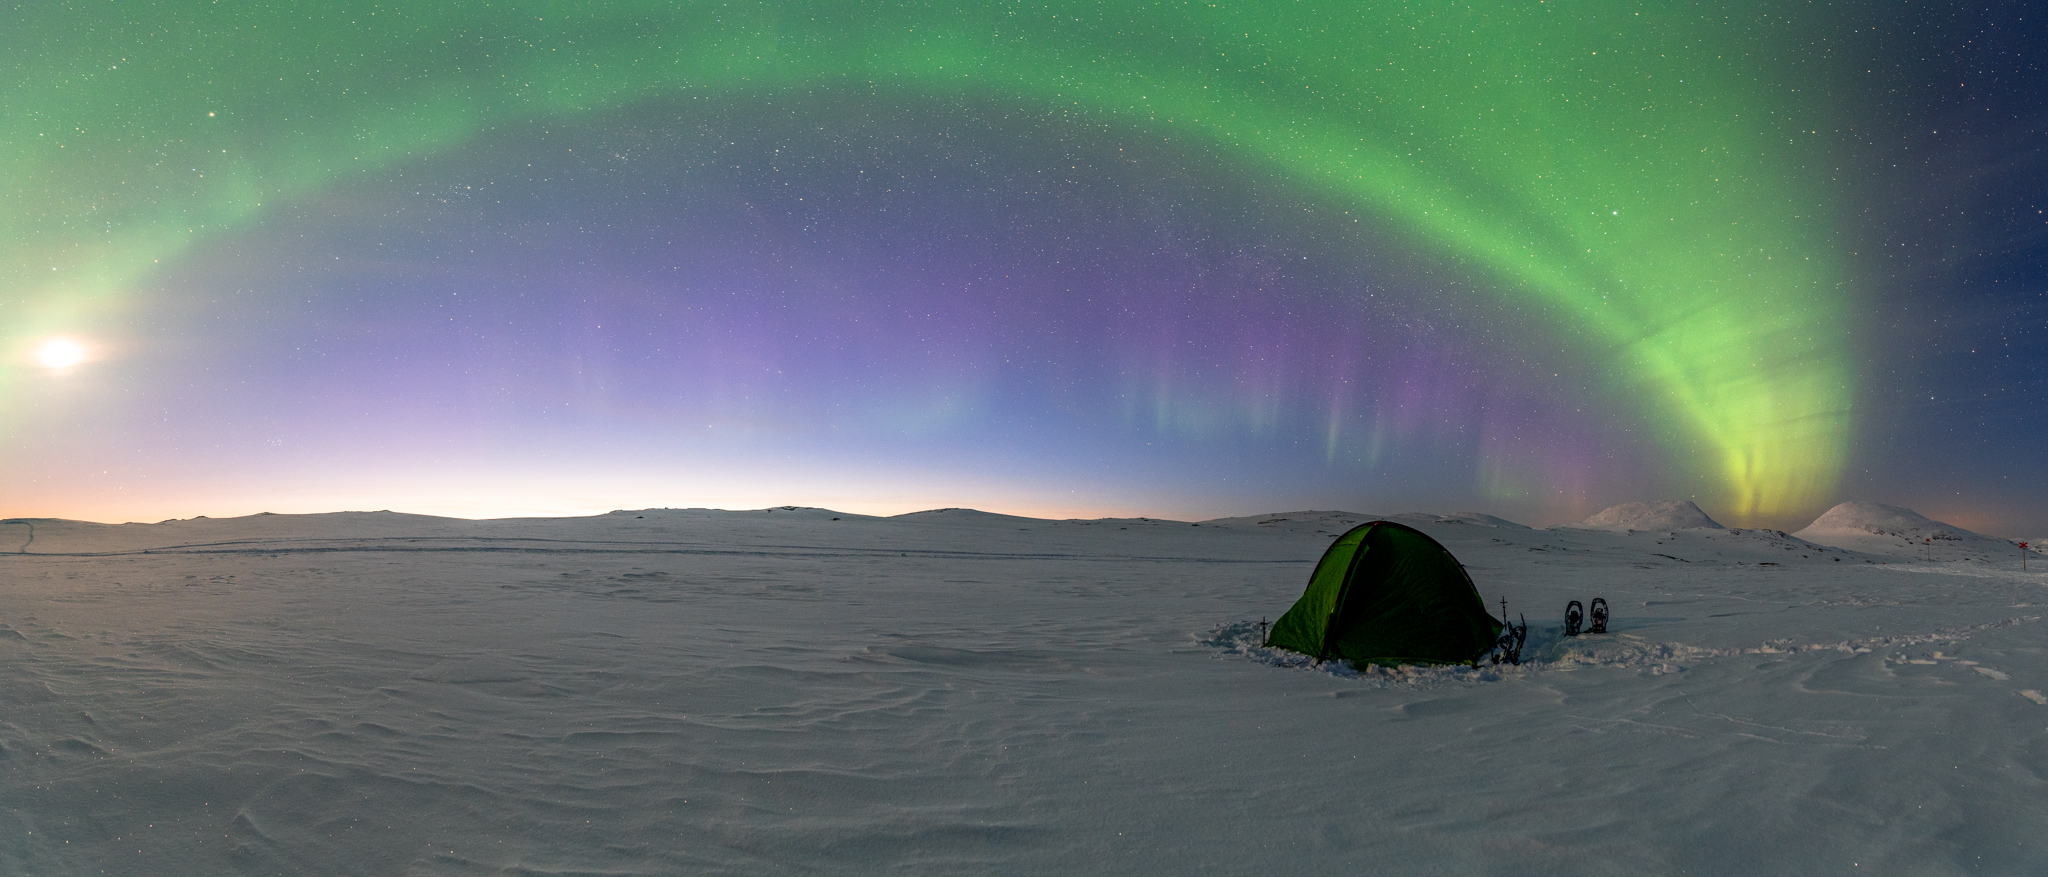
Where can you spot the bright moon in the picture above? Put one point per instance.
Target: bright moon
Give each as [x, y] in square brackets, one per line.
[60, 353]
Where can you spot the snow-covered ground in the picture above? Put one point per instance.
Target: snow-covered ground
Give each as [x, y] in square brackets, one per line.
[803, 691]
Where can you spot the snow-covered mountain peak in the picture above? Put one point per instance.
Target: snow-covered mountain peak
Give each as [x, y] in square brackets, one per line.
[1874, 517]
[1659, 515]
[1887, 529]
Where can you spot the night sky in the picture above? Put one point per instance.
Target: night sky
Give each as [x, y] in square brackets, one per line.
[1167, 259]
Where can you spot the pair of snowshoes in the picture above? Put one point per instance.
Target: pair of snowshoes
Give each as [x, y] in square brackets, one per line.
[1575, 617]
[1508, 648]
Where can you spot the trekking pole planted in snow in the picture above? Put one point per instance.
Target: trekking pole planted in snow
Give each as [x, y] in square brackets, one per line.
[2023, 557]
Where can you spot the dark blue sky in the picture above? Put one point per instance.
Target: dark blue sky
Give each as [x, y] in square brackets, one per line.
[862, 279]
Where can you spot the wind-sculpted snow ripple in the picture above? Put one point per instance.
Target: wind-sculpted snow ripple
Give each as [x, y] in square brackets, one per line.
[1244, 639]
[1548, 651]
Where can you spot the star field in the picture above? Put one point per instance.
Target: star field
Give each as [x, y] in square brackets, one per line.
[1067, 258]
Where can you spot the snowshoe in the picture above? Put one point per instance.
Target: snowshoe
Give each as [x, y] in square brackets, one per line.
[1508, 649]
[1599, 614]
[1574, 615]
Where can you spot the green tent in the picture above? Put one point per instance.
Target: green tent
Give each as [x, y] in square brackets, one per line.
[1388, 594]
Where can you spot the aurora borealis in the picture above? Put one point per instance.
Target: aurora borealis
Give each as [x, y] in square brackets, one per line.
[1088, 258]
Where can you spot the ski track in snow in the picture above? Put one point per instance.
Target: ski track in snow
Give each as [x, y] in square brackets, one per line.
[800, 691]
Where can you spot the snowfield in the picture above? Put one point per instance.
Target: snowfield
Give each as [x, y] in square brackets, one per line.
[803, 691]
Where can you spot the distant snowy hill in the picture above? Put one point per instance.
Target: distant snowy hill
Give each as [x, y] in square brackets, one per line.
[1877, 528]
[1340, 521]
[32, 535]
[1661, 515]
[1331, 522]
[1474, 518]
[962, 516]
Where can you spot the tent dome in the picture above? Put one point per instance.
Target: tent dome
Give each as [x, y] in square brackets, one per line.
[1386, 593]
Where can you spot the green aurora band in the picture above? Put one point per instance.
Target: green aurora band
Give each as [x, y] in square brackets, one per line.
[1634, 172]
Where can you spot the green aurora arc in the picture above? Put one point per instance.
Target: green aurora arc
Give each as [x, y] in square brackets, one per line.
[1631, 171]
